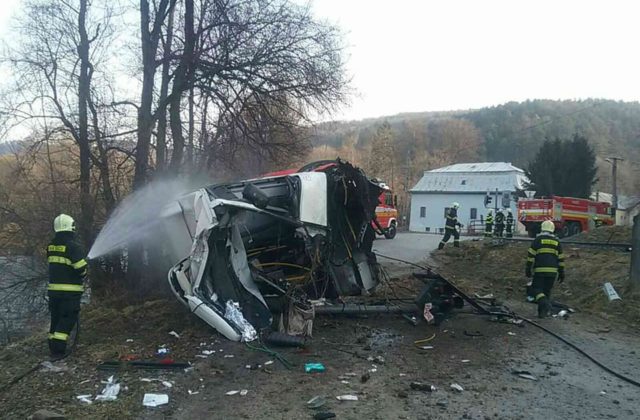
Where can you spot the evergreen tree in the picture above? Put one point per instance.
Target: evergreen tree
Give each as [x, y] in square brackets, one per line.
[563, 167]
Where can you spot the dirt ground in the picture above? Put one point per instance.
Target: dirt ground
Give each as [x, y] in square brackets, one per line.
[467, 349]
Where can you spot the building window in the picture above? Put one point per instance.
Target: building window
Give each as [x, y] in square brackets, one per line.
[474, 214]
[423, 212]
[464, 182]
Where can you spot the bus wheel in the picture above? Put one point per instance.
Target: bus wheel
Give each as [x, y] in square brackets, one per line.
[390, 233]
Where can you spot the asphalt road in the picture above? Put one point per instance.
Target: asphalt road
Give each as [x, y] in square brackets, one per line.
[410, 246]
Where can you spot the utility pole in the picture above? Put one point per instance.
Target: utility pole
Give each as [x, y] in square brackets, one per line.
[614, 176]
[634, 272]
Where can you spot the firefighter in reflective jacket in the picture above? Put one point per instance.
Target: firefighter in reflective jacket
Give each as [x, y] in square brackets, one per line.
[545, 262]
[499, 223]
[509, 226]
[488, 225]
[450, 227]
[67, 271]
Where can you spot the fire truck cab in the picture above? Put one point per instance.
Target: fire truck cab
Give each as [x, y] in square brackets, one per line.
[387, 213]
[570, 215]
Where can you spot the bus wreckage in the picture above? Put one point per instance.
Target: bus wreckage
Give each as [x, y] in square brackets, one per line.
[274, 245]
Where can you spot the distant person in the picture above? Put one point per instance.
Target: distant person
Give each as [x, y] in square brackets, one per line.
[67, 271]
[488, 225]
[597, 221]
[509, 225]
[545, 262]
[499, 224]
[450, 227]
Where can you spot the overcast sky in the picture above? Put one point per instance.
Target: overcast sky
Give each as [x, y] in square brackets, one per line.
[428, 55]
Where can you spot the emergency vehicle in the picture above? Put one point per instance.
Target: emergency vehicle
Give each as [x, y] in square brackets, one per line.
[570, 215]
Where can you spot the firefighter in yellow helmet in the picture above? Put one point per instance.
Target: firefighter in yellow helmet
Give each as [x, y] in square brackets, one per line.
[450, 227]
[67, 271]
[545, 262]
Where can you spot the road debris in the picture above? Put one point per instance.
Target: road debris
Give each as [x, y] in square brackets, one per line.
[47, 366]
[154, 400]
[110, 391]
[611, 292]
[193, 392]
[208, 352]
[525, 374]
[175, 334]
[421, 386]
[232, 392]
[316, 402]
[347, 397]
[465, 361]
[129, 340]
[425, 347]
[424, 340]
[323, 415]
[314, 367]
[457, 387]
[85, 398]
[511, 333]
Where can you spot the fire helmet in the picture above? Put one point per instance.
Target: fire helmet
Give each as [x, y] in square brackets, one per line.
[64, 223]
[548, 226]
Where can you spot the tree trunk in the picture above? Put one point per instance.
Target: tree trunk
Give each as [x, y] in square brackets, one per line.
[634, 273]
[161, 146]
[84, 86]
[183, 76]
[191, 130]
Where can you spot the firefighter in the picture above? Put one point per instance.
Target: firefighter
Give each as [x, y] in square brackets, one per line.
[450, 227]
[509, 225]
[67, 271]
[488, 225]
[499, 223]
[545, 262]
[597, 221]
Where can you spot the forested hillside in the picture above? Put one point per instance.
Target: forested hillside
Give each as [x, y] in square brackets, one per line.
[512, 132]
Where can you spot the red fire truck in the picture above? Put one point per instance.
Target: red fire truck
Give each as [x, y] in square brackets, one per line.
[570, 215]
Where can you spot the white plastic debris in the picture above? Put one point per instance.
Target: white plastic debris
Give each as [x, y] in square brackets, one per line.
[611, 292]
[528, 376]
[426, 347]
[154, 400]
[228, 356]
[233, 314]
[457, 387]
[347, 397]
[129, 340]
[465, 360]
[50, 367]
[175, 334]
[511, 333]
[244, 392]
[110, 391]
[167, 384]
[208, 352]
[402, 374]
[345, 382]
[350, 374]
[232, 392]
[202, 356]
[193, 392]
[84, 398]
[268, 362]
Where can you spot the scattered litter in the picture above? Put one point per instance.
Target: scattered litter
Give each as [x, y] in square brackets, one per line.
[233, 314]
[189, 369]
[611, 292]
[129, 340]
[193, 392]
[603, 392]
[244, 392]
[525, 374]
[402, 374]
[162, 351]
[377, 359]
[208, 352]
[465, 360]
[154, 400]
[426, 347]
[373, 370]
[411, 319]
[316, 402]
[110, 391]
[85, 381]
[424, 340]
[347, 397]
[511, 333]
[233, 392]
[268, 362]
[562, 314]
[228, 356]
[175, 334]
[202, 356]
[487, 296]
[167, 384]
[457, 387]
[421, 386]
[84, 398]
[350, 374]
[345, 382]
[324, 415]
[428, 316]
[47, 366]
[313, 367]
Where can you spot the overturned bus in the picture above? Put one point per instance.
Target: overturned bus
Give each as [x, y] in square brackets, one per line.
[273, 245]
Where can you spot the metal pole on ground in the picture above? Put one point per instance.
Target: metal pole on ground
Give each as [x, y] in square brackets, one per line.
[634, 273]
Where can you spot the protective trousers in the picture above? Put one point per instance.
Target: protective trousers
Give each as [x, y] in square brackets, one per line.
[64, 316]
[541, 291]
[509, 230]
[488, 229]
[447, 235]
[499, 230]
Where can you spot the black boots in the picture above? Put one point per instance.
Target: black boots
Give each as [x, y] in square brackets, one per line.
[544, 307]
